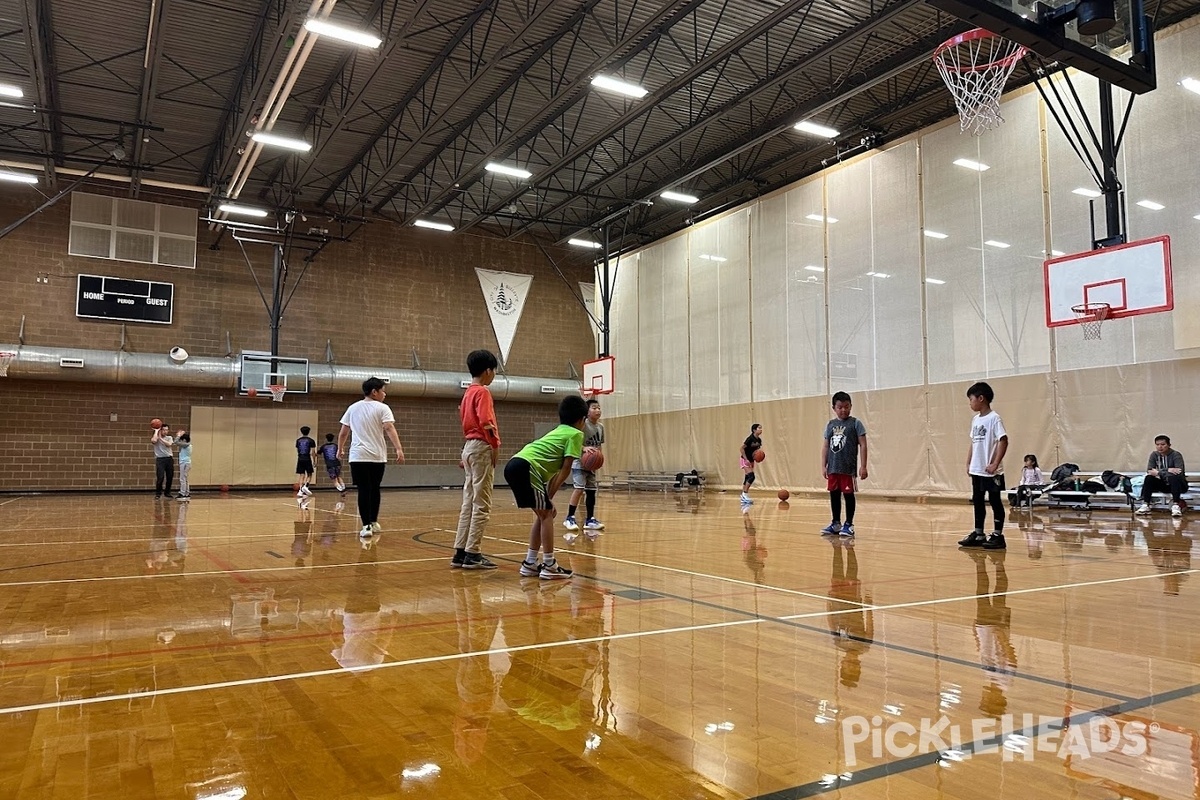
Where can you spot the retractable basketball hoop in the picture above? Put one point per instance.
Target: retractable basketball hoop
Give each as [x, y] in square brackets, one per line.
[6, 358]
[1090, 317]
[975, 66]
[277, 390]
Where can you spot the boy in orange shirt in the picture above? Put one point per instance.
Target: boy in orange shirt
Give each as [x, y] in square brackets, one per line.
[478, 461]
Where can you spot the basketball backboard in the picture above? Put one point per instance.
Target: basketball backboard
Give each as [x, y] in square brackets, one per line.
[1123, 55]
[598, 376]
[261, 370]
[1132, 278]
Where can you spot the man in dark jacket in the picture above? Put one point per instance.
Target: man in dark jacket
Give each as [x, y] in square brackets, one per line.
[1164, 473]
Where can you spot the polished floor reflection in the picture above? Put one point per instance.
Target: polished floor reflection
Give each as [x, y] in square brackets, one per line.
[247, 646]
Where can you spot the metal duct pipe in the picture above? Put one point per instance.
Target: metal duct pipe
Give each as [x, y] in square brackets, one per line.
[155, 369]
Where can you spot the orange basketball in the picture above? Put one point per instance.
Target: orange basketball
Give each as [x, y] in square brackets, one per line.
[252, 392]
[592, 459]
[759, 455]
[156, 423]
[784, 494]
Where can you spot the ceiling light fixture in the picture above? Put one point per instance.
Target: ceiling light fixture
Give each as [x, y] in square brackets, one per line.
[437, 226]
[936, 235]
[325, 28]
[504, 169]
[584, 243]
[934, 281]
[286, 142]
[814, 268]
[1191, 84]
[819, 218]
[8, 90]
[17, 177]
[995, 243]
[815, 129]
[619, 86]
[679, 197]
[969, 164]
[1150, 204]
[718, 259]
[1085, 192]
[245, 211]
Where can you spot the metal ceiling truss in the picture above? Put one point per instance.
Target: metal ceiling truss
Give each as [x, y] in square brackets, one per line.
[39, 38]
[150, 72]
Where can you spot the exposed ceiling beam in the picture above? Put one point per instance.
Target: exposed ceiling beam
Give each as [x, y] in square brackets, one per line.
[150, 63]
[39, 39]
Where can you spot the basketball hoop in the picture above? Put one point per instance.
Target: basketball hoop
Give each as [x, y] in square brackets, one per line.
[5, 359]
[975, 66]
[1091, 316]
[277, 392]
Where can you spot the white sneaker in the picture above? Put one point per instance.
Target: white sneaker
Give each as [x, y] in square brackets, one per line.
[1176, 511]
[570, 524]
[366, 532]
[593, 524]
[1144, 508]
[376, 527]
[746, 499]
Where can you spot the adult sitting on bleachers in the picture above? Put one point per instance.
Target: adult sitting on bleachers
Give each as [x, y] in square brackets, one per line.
[1164, 473]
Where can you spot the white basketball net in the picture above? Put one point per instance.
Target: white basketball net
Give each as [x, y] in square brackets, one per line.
[975, 66]
[277, 392]
[1091, 316]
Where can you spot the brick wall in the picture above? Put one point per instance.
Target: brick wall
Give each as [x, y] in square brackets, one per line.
[390, 290]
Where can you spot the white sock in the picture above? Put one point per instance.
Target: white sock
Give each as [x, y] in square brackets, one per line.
[531, 556]
[549, 560]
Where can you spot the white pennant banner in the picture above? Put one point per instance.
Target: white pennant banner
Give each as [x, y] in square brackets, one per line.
[504, 293]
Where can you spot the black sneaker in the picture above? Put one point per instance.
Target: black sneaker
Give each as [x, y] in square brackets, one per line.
[477, 561]
[457, 560]
[974, 539]
[995, 542]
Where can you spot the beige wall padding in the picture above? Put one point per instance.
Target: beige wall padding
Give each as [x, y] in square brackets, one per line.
[918, 436]
[249, 446]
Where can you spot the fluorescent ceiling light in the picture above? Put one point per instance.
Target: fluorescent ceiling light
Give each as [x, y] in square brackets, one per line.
[969, 164]
[879, 274]
[437, 226]
[8, 90]
[679, 197]
[1085, 192]
[285, 142]
[1196, 217]
[814, 268]
[17, 177]
[1056, 253]
[934, 281]
[1191, 84]
[815, 129]
[324, 28]
[245, 211]
[619, 86]
[584, 243]
[504, 169]
[994, 243]
[720, 259]
[935, 234]
[1150, 204]
[819, 218]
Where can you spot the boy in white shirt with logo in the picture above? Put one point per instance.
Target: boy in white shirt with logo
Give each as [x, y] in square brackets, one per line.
[372, 424]
[989, 442]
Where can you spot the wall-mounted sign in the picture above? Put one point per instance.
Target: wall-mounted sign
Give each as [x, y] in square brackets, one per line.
[124, 300]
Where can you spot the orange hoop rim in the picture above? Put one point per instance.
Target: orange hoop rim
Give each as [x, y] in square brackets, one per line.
[973, 35]
[1087, 312]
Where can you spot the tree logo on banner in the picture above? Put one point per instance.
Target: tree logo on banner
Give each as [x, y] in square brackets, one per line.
[503, 298]
[505, 294]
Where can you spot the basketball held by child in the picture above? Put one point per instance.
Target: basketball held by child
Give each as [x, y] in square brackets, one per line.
[592, 459]
[759, 455]
[156, 423]
[784, 494]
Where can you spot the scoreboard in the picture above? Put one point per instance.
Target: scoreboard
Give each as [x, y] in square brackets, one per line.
[124, 300]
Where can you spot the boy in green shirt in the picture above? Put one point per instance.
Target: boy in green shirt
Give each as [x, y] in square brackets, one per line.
[535, 473]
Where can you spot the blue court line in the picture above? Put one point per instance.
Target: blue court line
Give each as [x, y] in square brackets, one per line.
[825, 631]
[878, 771]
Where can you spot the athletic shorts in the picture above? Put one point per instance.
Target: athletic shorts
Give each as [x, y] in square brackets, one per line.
[582, 479]
[333, 469]
[745, 464]
[528, 490]
[839, 482]
[304, 465]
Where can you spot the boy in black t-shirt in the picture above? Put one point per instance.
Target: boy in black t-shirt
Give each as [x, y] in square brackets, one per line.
[304, 465]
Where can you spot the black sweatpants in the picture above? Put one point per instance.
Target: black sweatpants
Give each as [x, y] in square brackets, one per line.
[367, 477]
[993, 487]
[164, 474]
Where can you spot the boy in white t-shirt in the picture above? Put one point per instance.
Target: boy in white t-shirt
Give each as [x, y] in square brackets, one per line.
[372, 425]
[989, 442]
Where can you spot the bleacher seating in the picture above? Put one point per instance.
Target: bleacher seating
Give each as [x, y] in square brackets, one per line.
[693, 480]
[1108, 498]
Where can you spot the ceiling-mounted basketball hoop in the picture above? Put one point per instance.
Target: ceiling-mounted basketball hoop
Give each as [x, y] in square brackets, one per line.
[975, 66]
[1090, 317]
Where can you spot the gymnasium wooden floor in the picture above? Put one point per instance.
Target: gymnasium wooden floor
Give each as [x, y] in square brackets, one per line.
[245, 647]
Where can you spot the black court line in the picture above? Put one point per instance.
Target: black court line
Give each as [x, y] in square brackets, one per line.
[903, 765]
[900, 648]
